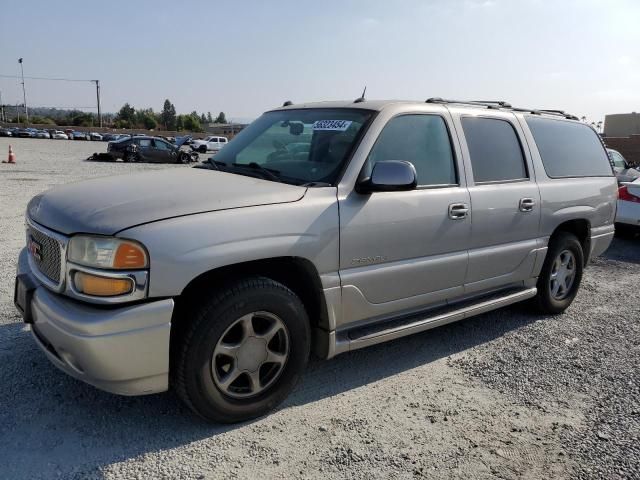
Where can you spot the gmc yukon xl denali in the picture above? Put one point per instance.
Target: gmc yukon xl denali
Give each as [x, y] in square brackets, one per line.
[320, 228]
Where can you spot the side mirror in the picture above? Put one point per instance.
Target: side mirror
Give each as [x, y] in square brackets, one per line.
[390, 176]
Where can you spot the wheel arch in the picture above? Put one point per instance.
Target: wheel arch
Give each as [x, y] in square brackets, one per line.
[296, 273]
[579, 227]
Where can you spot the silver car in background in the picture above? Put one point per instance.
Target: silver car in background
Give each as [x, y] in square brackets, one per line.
[623, 171]
[320, 228]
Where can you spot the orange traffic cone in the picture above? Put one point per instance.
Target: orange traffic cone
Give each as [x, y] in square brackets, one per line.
[12, 156]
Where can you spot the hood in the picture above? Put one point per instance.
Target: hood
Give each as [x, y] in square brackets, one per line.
[182, 140]
[107, 205]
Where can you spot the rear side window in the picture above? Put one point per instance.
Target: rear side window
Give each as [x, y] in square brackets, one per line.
[569, 149]
[496, 153]
[422, 140]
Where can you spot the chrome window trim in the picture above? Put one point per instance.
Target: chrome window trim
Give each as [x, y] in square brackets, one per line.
[63, 241]
[140, 279]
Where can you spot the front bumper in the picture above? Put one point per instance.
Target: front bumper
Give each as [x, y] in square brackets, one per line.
[122, 350]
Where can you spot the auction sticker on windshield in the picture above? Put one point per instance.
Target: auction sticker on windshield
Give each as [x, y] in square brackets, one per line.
[336, 125]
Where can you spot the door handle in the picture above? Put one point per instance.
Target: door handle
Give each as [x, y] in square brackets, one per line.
[458, 211]
[527, 204]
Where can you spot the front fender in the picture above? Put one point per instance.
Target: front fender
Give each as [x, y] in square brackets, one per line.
[183, 248]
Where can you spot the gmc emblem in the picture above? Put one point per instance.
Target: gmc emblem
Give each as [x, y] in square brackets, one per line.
[35, 249]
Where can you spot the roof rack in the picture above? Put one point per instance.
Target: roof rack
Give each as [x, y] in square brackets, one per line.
[500, 104]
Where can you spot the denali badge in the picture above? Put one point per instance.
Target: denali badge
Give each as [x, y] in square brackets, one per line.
[35, 249]
[368, 260]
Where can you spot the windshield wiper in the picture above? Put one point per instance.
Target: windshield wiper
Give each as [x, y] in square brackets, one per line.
[212, 162]
[267, 172]
[316, 184]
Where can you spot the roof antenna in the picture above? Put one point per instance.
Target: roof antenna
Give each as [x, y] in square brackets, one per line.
[361, 99]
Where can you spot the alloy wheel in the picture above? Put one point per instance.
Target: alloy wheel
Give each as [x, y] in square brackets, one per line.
[563, 274]
[250, 355]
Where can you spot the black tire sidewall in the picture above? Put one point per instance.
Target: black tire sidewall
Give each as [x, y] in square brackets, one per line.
[563, 241]
[204, 395]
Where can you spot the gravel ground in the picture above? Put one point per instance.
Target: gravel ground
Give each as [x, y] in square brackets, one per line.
[510, 394]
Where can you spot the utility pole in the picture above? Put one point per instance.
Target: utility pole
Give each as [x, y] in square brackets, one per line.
[97, 82]
[2, 119]
[24, 93]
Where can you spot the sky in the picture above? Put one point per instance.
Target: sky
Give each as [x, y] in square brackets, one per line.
[245, 57]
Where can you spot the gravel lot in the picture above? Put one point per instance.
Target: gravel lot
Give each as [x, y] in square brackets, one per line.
[510, 394]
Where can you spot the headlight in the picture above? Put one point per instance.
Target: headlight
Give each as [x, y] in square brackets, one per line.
[108, 253]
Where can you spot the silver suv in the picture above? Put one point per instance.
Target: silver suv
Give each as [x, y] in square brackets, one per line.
[321, 227]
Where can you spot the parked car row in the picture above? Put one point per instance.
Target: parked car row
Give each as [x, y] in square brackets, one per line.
[68, 134]
[208, 144]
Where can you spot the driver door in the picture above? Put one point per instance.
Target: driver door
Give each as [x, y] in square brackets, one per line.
[402, 251]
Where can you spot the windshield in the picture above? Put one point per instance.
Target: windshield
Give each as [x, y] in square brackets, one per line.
[300, 146]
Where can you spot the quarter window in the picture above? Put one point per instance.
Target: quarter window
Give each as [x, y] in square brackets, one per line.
[569, 149]
[496, 154]
[422, 140]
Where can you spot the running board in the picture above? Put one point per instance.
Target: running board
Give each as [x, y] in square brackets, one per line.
[361, 337]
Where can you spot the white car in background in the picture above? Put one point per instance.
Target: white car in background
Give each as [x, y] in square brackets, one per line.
[628, 215]
[59, 135]
[209, 144]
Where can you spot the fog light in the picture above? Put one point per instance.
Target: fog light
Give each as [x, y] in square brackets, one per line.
[101, 286]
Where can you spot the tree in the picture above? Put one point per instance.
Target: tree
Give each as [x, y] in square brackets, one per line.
[209, 117]
[203, 119]
[221, 118]
[180, 123]
[126, 116]
[146, 118]
[168, 115]
[192, 122]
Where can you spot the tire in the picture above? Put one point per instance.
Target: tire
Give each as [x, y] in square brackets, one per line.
[198, 375]
[202, 149]
[563, 246]
[183, 157]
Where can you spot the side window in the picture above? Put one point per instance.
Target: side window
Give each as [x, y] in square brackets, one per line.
[494, 148]
[422, 140]
[569, 148]
[160, 145]
[144, 142]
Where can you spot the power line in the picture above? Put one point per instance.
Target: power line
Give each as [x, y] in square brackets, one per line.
[47, 78]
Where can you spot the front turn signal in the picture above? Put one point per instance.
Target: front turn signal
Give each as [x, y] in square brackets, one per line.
[97, 286]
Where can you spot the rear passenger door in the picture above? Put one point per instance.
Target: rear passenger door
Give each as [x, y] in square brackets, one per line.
[145, 149]
[505, 202]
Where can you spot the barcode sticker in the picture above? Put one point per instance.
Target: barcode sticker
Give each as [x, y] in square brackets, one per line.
[336, 125]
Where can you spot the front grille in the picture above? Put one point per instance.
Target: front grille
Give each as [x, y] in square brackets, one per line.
[46, 254]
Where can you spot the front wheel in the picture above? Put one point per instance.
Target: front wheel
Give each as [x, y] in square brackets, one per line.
[242, 352]
[202, 149]
[561, 274]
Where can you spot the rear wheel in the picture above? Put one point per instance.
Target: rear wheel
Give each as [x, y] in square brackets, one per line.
[130, 157]
[243, 351]
[561, 274]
